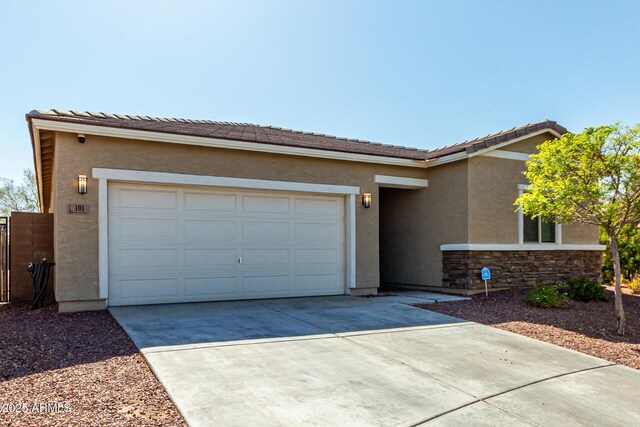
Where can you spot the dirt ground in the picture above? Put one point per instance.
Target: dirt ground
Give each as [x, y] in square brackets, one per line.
[75, 369]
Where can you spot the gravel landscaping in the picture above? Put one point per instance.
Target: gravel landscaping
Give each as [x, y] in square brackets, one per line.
[82, 365]
[587, 327]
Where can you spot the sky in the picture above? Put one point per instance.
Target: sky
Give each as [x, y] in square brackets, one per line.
[414, 73]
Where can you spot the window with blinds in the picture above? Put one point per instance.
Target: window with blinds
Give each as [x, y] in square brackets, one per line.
[530, 229]
[537, 231]
[547, 232]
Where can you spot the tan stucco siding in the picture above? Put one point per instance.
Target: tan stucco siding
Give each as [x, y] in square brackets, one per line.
[571, 233]
[76, 236]
[414, 223]
[493, 188]
[528, 145]
[468, 201]
[580, 234]
[445, 216]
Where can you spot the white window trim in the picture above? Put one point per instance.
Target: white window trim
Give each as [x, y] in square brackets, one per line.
[104, 175]
[521, 189]
[519, 247]
[103, 240]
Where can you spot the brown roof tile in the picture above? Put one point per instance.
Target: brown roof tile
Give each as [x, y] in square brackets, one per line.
[280, 136]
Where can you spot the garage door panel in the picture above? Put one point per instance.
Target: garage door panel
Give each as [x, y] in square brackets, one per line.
[317, 282]
[210, 228]
[210, 257]
[265, 204]
[318, 232]
[146, 199]
[318, 207]
[135, 290]
[180, 244]
[147, 258]
[127, 227]
[318, 256]
[265, 230]
[211, 286]
[210, 202]
[264, 285]
[267, 256]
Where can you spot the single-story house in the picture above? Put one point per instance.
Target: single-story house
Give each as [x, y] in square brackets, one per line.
[151, 210]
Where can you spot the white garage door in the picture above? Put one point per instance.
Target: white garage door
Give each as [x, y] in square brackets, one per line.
[180, 244]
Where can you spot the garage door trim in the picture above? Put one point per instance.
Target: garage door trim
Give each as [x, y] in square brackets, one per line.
[104, 175]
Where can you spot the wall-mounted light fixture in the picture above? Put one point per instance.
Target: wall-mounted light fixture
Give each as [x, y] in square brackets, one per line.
[366, 200]
[82, 184]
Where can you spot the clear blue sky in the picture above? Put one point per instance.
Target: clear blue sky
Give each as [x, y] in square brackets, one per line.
[415, 73]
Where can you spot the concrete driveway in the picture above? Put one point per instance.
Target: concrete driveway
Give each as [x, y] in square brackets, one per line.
[368, 361]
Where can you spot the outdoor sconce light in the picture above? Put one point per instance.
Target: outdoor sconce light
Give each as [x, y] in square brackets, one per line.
[366, 200]
[82, 184]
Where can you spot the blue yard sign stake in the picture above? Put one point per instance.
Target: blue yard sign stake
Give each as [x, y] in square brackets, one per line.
[485, 273]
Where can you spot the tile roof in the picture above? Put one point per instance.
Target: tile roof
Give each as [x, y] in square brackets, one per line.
[280, 136]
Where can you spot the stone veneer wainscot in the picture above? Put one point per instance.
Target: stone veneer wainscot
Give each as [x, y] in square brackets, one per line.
[518, 268]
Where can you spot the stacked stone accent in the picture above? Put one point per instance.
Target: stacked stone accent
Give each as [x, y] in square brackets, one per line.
[517, 268]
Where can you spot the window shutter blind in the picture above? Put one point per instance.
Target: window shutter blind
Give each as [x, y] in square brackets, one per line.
[548, 232]
[530, 229]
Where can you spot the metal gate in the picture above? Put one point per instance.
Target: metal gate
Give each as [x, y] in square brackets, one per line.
[4, 259]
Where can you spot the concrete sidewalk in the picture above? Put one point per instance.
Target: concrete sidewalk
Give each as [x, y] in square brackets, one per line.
[375, 361]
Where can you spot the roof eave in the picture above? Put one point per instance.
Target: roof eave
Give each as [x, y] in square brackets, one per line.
[482, 147]
[233, 144]
[34, 134]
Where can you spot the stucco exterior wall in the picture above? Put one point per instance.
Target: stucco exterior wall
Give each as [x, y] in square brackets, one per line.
[76, 235]
[529, 145]
[468, 201]
[493, 188]
[414, 223]
[580, 234]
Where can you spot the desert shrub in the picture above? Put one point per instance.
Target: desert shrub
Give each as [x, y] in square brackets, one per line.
[547, 296]
[634, 285]
[585, 289]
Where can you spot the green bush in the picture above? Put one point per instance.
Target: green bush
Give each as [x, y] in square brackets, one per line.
[547, 296]
[585, 289]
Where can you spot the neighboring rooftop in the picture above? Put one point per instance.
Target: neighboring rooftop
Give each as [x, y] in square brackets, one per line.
[280, 136]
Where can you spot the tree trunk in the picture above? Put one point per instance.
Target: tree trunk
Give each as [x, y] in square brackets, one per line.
[620, 317]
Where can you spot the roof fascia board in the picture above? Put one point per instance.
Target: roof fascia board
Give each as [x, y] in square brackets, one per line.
[513, 141]
[509, 155]
[38, 163]
[464, 155]
[60, 126]
[400, 182]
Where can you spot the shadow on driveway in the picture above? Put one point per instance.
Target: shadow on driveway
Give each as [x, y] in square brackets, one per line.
[155, 326]
[367, 361]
